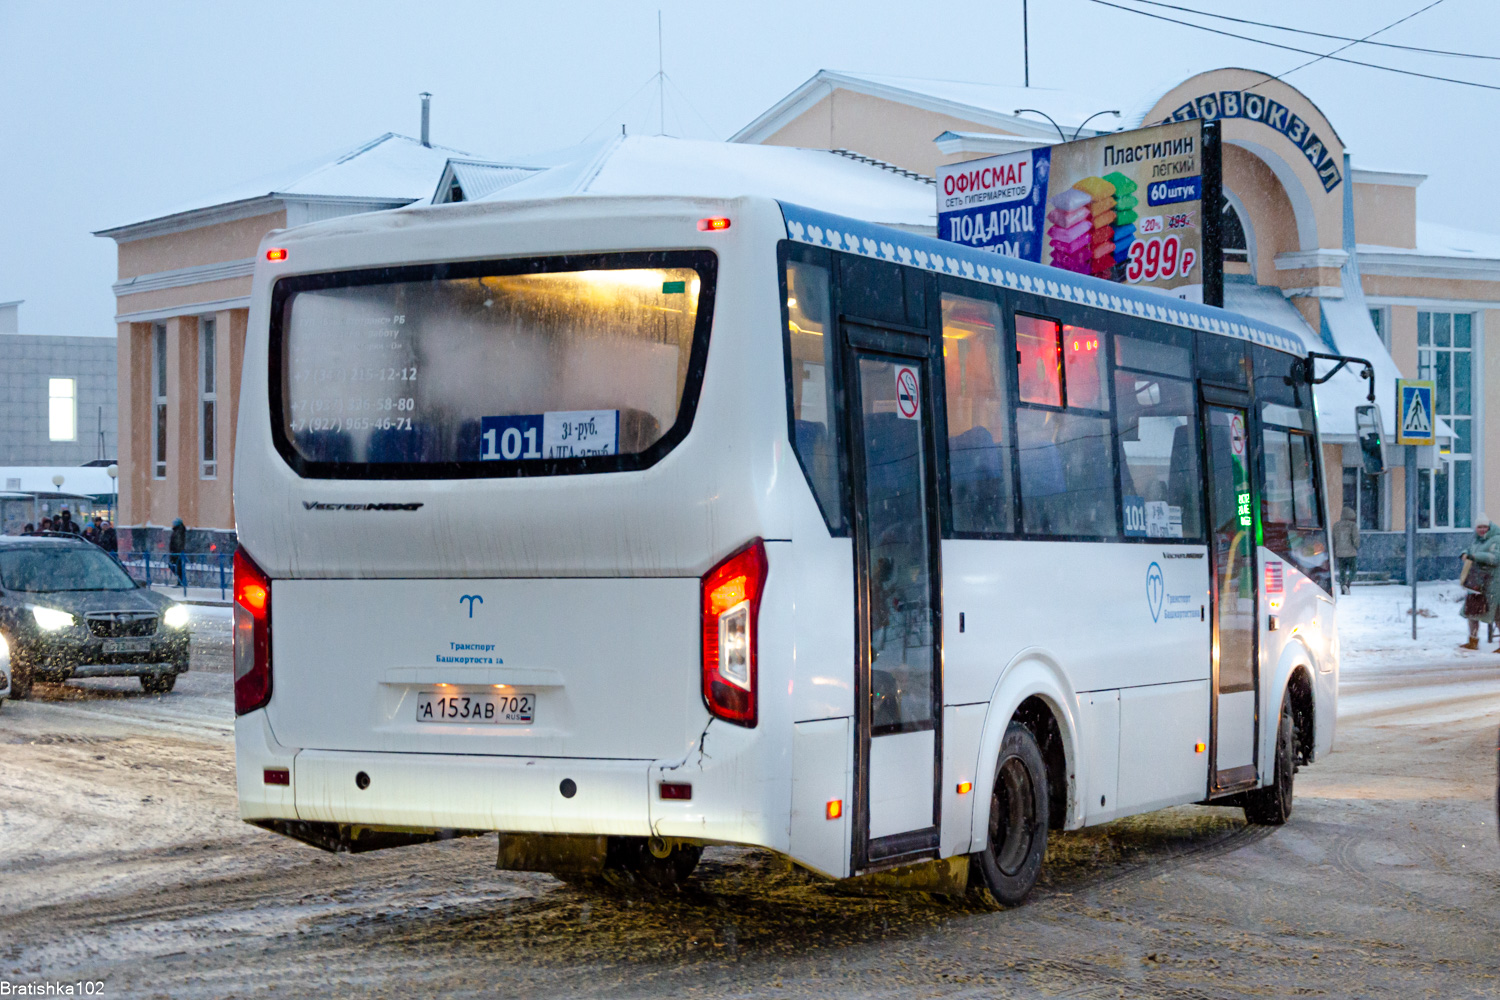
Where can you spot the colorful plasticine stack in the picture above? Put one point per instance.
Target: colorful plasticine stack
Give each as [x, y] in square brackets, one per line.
[1125, 215]
[1071, 231]
[1102, 212]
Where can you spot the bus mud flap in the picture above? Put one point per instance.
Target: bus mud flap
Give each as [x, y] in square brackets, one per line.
[571, 854]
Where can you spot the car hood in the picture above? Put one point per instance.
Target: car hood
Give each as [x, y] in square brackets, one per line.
[81, 602]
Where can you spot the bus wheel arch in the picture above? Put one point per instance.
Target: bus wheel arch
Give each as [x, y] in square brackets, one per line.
[1031, 691]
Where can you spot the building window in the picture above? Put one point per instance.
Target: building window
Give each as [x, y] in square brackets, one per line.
[62, 409]
[1381, 321]
[1363, 493]
[1445, 354]
[159, 397]
[1232, 236]
[208, 401]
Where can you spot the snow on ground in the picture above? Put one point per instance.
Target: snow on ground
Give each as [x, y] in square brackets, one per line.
[1375, 627]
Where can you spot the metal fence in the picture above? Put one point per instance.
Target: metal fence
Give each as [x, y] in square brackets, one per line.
[182, 571]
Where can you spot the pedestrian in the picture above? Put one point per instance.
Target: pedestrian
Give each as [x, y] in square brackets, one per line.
[91, 533]
[108, 541]
[66, 523]
[30, 529]
[1481, 579]
[1346, 548]
[176, 546]
[46, 525]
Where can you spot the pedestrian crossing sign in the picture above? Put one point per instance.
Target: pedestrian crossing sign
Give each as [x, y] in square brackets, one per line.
[1414, 411]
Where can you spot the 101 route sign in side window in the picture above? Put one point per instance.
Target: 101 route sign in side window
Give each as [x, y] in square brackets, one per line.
[482, 374]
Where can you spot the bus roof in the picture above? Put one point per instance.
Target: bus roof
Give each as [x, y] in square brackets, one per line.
[868, 239]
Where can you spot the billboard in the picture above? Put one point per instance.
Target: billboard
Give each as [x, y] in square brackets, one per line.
[1126, 207]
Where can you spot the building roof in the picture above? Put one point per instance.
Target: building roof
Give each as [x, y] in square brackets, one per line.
[985, 103]
[846, 184]
[387, 171]
[477, 179]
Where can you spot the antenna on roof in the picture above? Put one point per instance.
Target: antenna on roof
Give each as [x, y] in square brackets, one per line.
[426, 117]
[661, 82]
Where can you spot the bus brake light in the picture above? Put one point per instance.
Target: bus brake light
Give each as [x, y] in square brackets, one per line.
[276, 253]
[252, 634]
[730, 609]
[712, 225]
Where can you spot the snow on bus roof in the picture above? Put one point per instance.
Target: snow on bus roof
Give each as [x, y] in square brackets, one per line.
[664, 165]
[819, 228]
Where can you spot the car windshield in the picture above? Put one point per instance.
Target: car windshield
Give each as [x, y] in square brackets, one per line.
[53, 569]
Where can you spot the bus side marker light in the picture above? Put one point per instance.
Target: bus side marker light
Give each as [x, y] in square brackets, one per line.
[965, 787]
[278, 776]
[676, 790]
[276, 253]
[1199, 748]
[712, 225]
[835, 808]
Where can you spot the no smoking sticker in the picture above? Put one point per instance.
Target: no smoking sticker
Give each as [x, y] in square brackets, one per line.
[1237, 434]
[908, 392]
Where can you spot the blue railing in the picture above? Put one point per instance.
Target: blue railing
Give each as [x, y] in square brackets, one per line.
[184, 571]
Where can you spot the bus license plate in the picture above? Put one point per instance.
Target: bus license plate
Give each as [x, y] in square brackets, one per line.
[476, 708]
[127, 645]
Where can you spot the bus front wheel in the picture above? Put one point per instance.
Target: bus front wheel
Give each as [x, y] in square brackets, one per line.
[1272, 805]
[1012, 857]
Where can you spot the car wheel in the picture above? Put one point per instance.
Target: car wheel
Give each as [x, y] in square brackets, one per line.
[20, 678]
[158, 683]
[1272, 805]
[1011, 861]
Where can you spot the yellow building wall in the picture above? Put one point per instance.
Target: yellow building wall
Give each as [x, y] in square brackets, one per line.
[1385, 215]
[214, 244]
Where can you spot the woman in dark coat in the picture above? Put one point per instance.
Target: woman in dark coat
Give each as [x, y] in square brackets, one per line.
[1484, 551]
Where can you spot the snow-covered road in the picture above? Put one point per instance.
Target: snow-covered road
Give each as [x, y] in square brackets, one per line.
[121, 859]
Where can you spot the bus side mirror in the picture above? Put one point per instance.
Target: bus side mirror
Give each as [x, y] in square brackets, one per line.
[1371, 445]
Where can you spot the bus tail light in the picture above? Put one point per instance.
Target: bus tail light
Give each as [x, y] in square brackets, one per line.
[252, 635]
[713, 225]
[731, 610]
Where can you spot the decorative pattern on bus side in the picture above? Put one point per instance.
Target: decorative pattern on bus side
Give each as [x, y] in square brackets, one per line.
[821, 229]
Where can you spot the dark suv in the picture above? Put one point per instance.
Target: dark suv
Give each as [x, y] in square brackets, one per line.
[68, 609]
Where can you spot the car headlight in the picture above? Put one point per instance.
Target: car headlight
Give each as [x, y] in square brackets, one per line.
[51, 619]
[176, 616]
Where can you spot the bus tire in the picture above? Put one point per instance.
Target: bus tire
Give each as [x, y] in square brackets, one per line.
[1011, 861]
[1272, 805]
[662, 864]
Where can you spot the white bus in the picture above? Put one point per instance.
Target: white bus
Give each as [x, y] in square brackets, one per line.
[625, 526]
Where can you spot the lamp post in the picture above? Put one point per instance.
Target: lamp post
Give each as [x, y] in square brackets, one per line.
[114, 490]
[1060, 134]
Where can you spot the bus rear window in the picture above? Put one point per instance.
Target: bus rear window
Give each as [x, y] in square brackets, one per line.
[518, 367]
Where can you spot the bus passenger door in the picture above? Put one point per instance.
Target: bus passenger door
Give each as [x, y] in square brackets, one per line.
[899, 743]
[1232, 549]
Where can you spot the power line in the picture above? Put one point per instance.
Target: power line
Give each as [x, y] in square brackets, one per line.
[1318, 34]
[1352, 42]
[1293, 48]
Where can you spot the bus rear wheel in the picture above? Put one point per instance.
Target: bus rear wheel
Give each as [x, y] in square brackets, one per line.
[1012, 857]
[649, 859]
[1272, 805]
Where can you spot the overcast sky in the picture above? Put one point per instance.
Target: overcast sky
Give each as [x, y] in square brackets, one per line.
[113, 113]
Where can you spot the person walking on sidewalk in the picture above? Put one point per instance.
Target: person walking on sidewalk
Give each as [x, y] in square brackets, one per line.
[1346, 548]
[176, 546]
[1484, 552]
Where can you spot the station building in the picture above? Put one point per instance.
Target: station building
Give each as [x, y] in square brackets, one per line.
[1315, 241]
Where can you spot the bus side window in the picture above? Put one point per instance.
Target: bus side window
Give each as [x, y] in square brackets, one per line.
[1067, 474]
[1158, 448]
[810, 362]
[1291, 506]
[979, 450]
